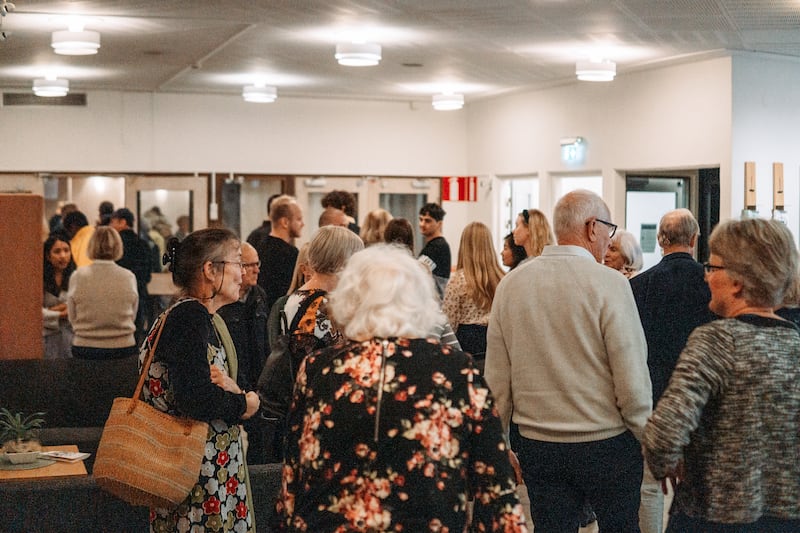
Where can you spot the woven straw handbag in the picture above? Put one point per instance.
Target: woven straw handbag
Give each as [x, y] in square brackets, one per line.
[148, 457]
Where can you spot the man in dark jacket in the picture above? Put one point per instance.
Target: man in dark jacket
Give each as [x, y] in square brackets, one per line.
[136, 257]
[247, 323]
[672, 298]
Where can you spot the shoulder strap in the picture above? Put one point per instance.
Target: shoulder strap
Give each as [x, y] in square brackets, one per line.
[303, 309]
[149, 359]
[227, 343]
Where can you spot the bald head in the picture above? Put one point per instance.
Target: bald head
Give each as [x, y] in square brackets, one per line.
[251, 270]
[332, 216]
[576, 221]
[678, 231]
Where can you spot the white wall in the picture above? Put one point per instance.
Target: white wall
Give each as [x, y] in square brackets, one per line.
[674, 117]
[143, 132]
[766, 114]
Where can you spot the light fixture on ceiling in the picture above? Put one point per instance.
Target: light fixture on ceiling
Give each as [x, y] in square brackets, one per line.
[50, 87]
[448, 101]
[259, 93]
[358, 54]
[6, 7]
[596, 70]
[75, 41]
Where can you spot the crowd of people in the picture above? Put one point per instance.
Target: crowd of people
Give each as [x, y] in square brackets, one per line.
[402, 394]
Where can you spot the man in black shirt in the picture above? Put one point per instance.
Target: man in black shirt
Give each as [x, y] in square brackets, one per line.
[276, 251]
[436, 253]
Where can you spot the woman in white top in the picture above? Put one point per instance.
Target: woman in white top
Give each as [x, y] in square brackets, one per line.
[102, 301]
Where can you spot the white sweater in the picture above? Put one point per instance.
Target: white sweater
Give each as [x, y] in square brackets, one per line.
[102, 302]
[566, 351]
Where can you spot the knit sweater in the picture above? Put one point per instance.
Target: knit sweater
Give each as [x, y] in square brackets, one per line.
[102, 302]
[732, 413]
[566, 352]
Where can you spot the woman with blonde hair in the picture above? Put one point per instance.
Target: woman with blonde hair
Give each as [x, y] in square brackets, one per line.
[102, 301]
[470, 291]
[374, 226]
[533, 232]
[304, 321]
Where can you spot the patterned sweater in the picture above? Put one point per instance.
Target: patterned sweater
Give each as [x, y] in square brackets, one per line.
[732, 413]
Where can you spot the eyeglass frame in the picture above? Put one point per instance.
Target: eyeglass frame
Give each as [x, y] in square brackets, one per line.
[241, 265]
[708, 268]
[526, 215]
[611, 225]
[257, 264]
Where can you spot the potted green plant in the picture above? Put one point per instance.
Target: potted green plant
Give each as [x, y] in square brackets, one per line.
[20, 433]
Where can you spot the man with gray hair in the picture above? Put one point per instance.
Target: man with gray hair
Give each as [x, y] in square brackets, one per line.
[672, 298]
[566, 362]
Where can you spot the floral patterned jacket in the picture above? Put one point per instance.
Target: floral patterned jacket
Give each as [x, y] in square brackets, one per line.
[402, 456]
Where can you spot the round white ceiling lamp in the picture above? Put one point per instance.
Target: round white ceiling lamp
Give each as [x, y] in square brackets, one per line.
[596, 70]
[75, 41]
[358, 54]
[50, 87]
[260, 93]
[448, 101]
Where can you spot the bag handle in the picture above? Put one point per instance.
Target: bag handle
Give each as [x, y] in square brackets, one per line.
[148, 359]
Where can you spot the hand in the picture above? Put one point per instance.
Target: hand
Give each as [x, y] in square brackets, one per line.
[673, 478]
[222, 380]
[253, 403]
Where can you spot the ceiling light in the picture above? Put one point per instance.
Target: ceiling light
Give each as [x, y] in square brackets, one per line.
[6, 7]
[596, 70]
[448, 102]
[50, 87]
[259, 93]
[75, 42]
[358, 54]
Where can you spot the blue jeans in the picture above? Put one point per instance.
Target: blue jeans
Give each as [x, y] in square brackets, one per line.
[561, 476]
[680, 523]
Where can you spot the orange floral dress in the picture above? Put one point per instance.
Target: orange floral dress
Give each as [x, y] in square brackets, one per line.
[395, 436]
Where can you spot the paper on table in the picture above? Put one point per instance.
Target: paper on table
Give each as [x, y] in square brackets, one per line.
[67, 457]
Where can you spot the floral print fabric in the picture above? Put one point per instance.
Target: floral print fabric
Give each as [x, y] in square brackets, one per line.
[219, 500]
[395, 438]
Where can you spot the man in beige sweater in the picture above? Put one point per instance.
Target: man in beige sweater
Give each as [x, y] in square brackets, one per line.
[567, 363]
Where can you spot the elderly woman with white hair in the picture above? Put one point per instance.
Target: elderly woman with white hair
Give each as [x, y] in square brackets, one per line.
[393, 431]
[624, 254]
[727, 428]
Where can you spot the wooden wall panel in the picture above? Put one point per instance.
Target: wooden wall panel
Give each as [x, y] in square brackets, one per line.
[21, 276]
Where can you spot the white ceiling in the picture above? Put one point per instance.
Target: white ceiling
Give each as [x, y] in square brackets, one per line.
[477, 47]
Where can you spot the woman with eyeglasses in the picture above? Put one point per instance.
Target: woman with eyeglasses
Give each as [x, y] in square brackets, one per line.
[624, 254]
[532, 232]
[193, 374]
[727, 428]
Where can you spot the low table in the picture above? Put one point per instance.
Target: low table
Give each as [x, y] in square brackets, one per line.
[55, 470]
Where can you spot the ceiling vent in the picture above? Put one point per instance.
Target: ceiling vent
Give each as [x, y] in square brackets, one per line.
[27, 99]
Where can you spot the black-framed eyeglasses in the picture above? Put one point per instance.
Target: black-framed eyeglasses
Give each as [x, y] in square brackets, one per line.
[237, 263]
[612, 228]
[709, 268]
[526, 215]
[257, 264]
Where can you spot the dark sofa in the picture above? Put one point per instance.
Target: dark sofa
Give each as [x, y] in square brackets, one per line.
[68, 505]
[75, 395]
